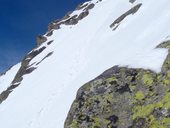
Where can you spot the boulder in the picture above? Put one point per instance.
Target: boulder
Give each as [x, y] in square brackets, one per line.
[123, 97]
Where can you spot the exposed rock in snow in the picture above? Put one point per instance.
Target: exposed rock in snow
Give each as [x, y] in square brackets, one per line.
[78, 48]
[117, 22]
[72, 20]
[132, 1]
[122, 97]
[41, 39]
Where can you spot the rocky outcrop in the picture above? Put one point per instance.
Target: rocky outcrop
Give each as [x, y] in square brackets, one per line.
[132, 1]
[132, 11]
[124, 98]
[71, 20]
[24, 69]
[81, 6]
[41, 39]
[66, 20]
[49, 54]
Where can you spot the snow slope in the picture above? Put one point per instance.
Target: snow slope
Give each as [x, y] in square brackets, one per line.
[80, 53]
[6, 79]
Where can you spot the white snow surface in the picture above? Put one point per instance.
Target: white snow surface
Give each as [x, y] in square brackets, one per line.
[6, 79]
[82, 52]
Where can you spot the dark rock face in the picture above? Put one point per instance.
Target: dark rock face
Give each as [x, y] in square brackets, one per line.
[71, 20]
[81, 6]
[50, 42]
[117, 22]
[50, 33]
[24, 69]
[132, 1]
[82, 15]
[41, 39]
[66, 20]
[124, 98]
[49, 54]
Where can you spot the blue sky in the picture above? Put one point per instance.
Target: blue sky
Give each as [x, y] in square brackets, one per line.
[22, 20]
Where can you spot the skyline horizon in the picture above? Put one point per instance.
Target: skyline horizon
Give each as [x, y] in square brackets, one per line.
[22, 22]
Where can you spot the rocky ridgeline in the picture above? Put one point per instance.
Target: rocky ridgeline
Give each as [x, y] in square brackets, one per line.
[73, 20]
[132, 1]
[132, 11]
[26, 68]
[124, 98]
[66, 20]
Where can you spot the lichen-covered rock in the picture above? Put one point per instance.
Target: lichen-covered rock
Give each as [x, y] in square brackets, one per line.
[124, 98]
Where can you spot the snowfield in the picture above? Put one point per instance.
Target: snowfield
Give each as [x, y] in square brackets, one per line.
[81, 52]
[6, 79]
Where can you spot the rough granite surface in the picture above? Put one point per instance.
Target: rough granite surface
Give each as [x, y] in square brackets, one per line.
[124, 98]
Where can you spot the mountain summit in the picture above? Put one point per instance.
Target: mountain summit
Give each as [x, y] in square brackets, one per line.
[120, 46]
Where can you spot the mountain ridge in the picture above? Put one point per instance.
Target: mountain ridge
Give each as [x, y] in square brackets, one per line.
[123, 97]
[75, 50]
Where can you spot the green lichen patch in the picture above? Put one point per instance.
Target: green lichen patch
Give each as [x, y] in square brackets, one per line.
[147, 79]
[165, 44]
[139, 95]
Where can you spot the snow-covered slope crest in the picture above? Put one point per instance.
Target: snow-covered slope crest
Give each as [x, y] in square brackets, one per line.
[78, 48]
[6, 79]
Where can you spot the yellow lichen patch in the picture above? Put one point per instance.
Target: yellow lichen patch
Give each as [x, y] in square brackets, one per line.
[96, 123]
[159, 105]
[74, 124]
[132, 87]
[111, 79]
[166, 81]
[161, 126]
[153, 122]
[146, 105]
[142, 111]
[107, 98]
[145, 111]
[166, 122]
[167, 105]
[159, 76]
[165, 44]
[166, 98]
[91, 100]
[168, 74]
[166, 64]
[147, 79]
[139, 95]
